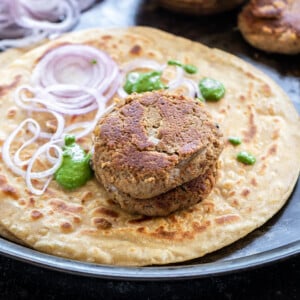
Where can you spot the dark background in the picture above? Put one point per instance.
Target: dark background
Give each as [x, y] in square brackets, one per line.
[23, 281]
[279, 280]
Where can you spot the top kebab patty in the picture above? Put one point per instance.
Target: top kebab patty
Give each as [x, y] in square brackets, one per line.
[153, 143]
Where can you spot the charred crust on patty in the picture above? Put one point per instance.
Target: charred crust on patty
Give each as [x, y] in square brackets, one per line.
[153, 143]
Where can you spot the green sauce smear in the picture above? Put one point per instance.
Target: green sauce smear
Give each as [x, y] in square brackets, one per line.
[143, 82]
[234, 140]
[75, 169]
[187, 68]
[211, 89]
[246, 158]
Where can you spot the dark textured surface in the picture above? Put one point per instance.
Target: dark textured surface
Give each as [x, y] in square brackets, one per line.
[21, 281]
[277, 281]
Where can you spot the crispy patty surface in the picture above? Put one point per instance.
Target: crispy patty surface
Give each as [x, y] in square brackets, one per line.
[272, 25]
[164, 204]
[153, 143]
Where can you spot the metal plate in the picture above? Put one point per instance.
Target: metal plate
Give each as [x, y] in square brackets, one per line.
[277, 239]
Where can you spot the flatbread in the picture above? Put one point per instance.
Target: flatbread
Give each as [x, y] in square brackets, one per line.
[6, 58]
[71, 224]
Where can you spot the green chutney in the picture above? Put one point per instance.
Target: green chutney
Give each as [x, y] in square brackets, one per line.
[143, 82]
[75, 169]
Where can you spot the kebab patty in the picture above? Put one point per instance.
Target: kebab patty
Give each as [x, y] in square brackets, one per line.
[178, 198]
[153, 143]
[273, 26]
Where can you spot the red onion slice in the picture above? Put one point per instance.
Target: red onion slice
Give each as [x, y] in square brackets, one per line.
[88, 126]
[17, 160]
[59, 130]
[23, 15]
[43, 174]
[6, 146]
[72, 65]
[33, 38]
[52, 104]
[192, 86]
[53, 94]
[177, 81]
[141, 63]
[20, 98]
[15, 164]
[23, 22]
[85, 4]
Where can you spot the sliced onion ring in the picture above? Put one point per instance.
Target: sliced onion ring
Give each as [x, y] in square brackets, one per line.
[43, 174]
[94, 69]
[6, 146]
[23, 22]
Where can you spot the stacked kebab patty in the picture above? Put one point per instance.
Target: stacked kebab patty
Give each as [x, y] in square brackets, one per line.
[157, 153]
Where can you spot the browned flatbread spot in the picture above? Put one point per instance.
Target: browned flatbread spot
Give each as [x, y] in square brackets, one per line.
[7, 87]
[7, 189]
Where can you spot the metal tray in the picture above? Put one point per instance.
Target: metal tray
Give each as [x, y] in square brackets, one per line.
[277, 239]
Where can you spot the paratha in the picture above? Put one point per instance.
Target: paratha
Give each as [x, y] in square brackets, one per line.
[6, 58]
[70, 223]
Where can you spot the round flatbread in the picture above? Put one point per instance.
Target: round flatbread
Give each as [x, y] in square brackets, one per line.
[85, 224]
[6, 58]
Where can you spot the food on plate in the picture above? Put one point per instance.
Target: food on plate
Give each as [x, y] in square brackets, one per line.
[272, 26]
[181, 197]
[26, 22]
[246, 158]
[153, 143]
[6, 58]
[235, 140]
[75, 169]
[211, 89]
[200, 7]
[64, 87]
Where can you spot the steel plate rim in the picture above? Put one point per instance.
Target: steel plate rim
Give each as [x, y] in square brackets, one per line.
[180, 272]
